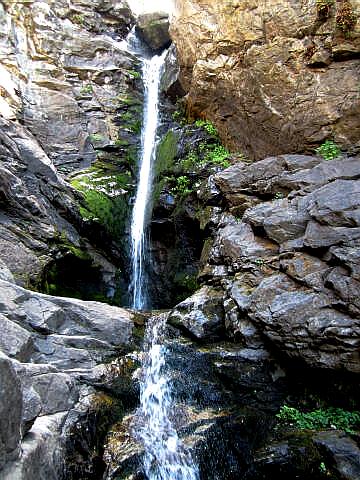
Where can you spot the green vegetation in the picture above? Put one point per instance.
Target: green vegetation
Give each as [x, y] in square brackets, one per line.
[96, 137]
[207, 126]
[328, 150]
[78, 18]
[186, 284]
[104, 197]
[345, 18]
[207, 154]
[166, 153]
[134, 74]
[86, 89]
[182, 186]
[131, 119]
[322, 418]
[217, 155]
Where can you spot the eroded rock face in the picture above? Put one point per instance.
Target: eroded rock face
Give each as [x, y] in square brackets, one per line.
[70, 99]
[272, 75]
[53, 351]
[278, 259]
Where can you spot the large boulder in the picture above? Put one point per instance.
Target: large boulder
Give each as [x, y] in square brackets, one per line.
[290, 264]
[201, 315]
[154, 29]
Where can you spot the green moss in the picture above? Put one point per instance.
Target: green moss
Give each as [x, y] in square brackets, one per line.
[185, 285]
[105, 199]
[166, 153]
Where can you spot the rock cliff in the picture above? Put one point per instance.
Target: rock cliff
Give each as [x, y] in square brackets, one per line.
[274, 76]
[70, 96]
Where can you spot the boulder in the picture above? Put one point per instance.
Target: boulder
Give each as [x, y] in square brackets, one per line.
[201, 315]
[343, 452]
[154, 30]
[11, 406]
[55, 347]
[302, 324]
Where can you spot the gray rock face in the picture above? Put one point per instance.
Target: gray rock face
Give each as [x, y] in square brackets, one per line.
[10, 412]
[70, 98]
[53, 345]
[294, 257]
[154, 29]
[202, 314]
[304, 325]
[344, 452]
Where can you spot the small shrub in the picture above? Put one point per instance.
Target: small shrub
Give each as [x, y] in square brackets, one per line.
[190, 162]
[345, 18]
[218, 155]
[207, 126]
[134, 73]
[320, 419]
[182, 186]
[328, 150]
[87, 89]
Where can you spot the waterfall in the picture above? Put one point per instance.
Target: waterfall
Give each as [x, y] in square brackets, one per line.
[152, 69]
[165, 458]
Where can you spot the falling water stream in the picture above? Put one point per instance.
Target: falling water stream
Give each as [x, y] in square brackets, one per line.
[165, 457]
[152, 69]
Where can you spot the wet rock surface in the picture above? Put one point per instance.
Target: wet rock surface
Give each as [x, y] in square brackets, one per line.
[71, 103]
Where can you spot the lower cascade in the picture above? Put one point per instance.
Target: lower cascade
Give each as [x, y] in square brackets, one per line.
[165, 458]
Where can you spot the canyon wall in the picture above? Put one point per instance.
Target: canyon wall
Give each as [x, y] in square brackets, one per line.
[275, 76]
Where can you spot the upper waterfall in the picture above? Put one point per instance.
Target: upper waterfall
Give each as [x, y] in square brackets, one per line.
[152, 69]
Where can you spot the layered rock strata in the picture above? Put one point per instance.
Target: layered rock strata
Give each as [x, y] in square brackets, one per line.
[274, 76]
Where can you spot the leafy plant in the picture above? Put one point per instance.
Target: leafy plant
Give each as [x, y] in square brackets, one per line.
[328, 150]
[190, 162]
[345, 18]
[320, 419]
[134, 73]
[182, 186]
[218, 155]
[87, 89]
[208, 126]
